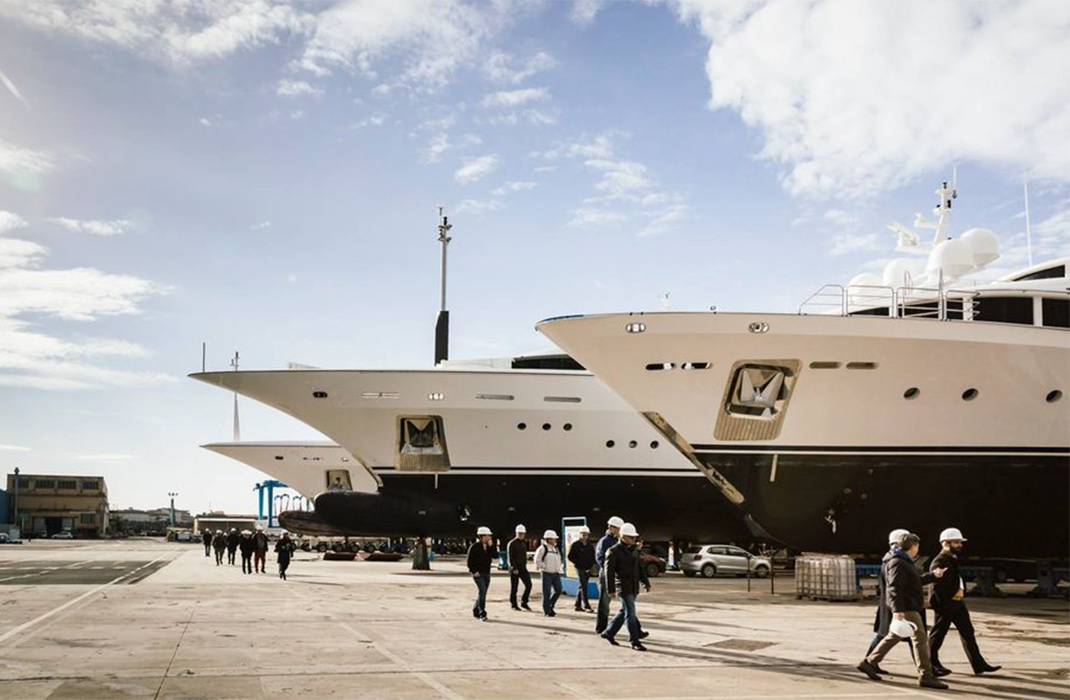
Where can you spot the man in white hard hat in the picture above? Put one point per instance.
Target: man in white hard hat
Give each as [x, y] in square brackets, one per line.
[516, 555]
[480, 556]
[949, 606]
[906, 597]
[883, 617]
[260, 548]
[581, 554]
[550, 565]
[624, 574]
[607, 541]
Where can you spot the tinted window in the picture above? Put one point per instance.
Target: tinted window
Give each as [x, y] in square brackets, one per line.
[547, 362]
[1050, 273]
[737, 552]
[694, 550]
[717, 550]
[1004, 309]
[1057, 313]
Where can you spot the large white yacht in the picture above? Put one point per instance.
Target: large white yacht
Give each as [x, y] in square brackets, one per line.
[526, 439]
[919, 400]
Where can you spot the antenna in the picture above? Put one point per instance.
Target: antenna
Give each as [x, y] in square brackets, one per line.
[665, 303]
[442, 324]
[237, 423]
[1028, 228]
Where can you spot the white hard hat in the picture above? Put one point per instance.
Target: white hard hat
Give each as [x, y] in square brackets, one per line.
[246, 532]
[952, 533]
[615, 522]
[628, 530]
[549, 535]
[483, 530]
[894, 535]
[902, 628]
[585, 530]
[521, 529]
[259, 527]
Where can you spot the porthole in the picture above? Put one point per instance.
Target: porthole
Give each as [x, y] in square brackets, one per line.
[610, 444]
[695, 365]
[319, 394]
[545, 426]
[521, 426]
[567, 427]
[824, 365]
[970, 394]
[435, 396]
[633, 444]
[1053, 396]
[758, 327]
[911, 393]
[635, 327]
[861, 365]
[278, 457]
[654, 445]
[659, 366]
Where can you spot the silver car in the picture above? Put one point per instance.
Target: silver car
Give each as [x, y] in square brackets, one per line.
[722, 559]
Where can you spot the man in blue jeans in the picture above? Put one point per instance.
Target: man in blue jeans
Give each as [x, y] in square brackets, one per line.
[624, 568]
[480, 556]
[581, 554]
[550, 565]
[604, 544]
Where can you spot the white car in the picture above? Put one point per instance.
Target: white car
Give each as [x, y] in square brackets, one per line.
[8, 539]
[722, 559]
[65, 535]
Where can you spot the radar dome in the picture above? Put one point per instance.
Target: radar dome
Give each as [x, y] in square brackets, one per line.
[858, 295]
[903, 272]
[954, 258]
[983, 243]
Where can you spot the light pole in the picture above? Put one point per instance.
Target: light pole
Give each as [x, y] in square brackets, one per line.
[16, 517]
[172, 494]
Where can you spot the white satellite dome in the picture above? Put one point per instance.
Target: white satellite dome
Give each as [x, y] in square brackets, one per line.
[954, 258]
[858, 295]
[983, 243]
[903, 272]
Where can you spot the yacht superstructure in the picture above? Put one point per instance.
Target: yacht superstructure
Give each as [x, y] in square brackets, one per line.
[895, 405]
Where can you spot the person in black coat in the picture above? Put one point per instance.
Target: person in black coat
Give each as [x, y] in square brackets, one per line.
[284, 548]
[480, 555]
[206, 537]
[232, 544]
[516, 555]
[247, 546]
[625, 573]
[581, 554]
[949, 606]
[219, 544]
[882, 619]
[906, 597]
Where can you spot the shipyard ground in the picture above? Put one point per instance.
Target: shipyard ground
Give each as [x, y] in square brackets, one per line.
[147, 619]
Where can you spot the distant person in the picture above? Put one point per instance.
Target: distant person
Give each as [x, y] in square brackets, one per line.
[337, 485]
[581, 554]
[607, 541]
[219, 543]
[284, 548]
[883, 617]
[480, 555]
[948, 601]
[232, 544]
[906, 598]
[516, 556]
[247, 546]
[260, 549]
[206, 536]
[624, 568]
[550, 565]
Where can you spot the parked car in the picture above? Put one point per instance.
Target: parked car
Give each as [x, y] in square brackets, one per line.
[8, 539]
[654, 565]
[64, 535]
[722, 559]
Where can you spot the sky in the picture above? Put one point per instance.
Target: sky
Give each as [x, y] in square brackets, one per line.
[265, 177]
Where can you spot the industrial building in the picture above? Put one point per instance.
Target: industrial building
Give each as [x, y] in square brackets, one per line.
[44, 504]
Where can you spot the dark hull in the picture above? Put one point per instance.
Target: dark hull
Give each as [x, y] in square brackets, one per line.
[1007, 506]
[662, 508]
[309, 524]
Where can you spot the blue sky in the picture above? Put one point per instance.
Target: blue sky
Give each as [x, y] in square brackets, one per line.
[265, 176]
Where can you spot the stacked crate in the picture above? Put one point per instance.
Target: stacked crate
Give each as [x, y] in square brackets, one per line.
[826, 577]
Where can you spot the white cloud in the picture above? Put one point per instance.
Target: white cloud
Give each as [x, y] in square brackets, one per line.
[475, 169]
[9, 221]
[584, 11]
[297, 88]
[97, 228]
[15, 448]
[23, 166]
[515, 98]
[259, 226]
[513, 186]
[374, 120]
[13, 89]
[441, 143]
[853, 96]
[502, 68]
[477, 206]
[844, 243]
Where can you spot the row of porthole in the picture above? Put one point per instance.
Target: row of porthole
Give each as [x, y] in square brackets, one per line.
[972, 393]
[632, 444]
[665, 366]
[545, 426]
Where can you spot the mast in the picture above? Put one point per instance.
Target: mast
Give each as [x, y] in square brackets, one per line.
[442, 324]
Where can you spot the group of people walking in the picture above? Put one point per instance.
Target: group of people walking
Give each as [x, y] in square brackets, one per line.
[615, 560]
[252, 546]
[901, 608]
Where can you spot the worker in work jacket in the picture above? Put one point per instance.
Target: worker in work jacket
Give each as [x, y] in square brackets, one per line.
[206, 537]
[233, 538]
[581, 554]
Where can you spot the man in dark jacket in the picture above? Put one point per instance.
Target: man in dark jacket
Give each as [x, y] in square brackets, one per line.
[260, 548]
[624, 568]
[480, 555]
[206, 537]
[581, 554]
[516, 555]
[284, 548]
[219, 544]
[246, 545]
[232, 544]
[906, 598]
[604, 544]
[949, 606]
[883, 617]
